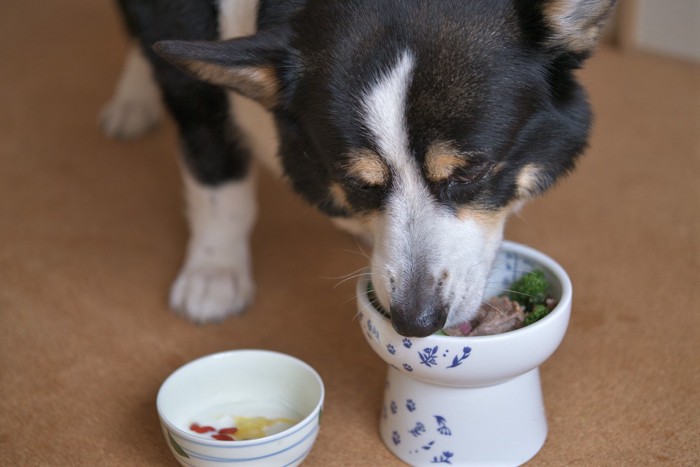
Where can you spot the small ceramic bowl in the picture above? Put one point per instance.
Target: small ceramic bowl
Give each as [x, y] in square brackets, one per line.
[222, 389]
[470, 400]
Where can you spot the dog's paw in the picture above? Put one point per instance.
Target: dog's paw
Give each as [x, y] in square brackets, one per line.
[124, 118]
[210, 294]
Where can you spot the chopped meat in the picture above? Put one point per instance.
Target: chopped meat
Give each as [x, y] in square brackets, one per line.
[497, 315]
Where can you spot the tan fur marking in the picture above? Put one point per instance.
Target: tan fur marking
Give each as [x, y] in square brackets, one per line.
[368, 167]
[490, 219]
[265, 80]
[442, 159]
[339, 197]
[528, 181]
[577, 25]
[258, 83]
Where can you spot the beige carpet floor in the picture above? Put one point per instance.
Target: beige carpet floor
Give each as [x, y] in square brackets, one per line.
[92, 233]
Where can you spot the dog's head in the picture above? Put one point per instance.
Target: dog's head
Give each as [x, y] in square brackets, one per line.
[428, 121]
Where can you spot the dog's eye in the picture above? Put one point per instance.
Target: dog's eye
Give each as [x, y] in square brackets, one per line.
[364, 196]
[464, 185]
[472, 173]
[359, 185]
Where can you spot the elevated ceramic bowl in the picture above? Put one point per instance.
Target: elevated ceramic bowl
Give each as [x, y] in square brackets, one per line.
[469, 400]
[248, 383]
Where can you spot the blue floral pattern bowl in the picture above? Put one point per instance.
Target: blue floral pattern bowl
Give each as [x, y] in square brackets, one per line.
[469, 400]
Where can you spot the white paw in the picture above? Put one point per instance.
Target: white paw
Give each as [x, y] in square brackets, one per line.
[124, 118]
[207, 294]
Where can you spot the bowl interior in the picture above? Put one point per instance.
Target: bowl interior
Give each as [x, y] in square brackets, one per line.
[514, 261]
[245, 383]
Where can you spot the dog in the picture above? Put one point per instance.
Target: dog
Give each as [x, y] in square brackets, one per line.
[419, 124]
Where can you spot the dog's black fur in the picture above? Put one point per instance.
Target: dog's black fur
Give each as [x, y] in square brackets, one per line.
[493, 78]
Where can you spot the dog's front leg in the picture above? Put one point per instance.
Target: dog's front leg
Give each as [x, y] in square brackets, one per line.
[216, 280]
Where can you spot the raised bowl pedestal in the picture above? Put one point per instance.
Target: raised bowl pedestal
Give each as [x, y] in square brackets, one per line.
[469, 400]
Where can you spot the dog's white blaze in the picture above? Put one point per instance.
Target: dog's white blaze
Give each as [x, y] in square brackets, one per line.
[385, 118]
[415, 235]
[385, 110]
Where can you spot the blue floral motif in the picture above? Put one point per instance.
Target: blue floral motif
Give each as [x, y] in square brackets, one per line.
[466, 351]
[418, 429]
[428, 446]
[390, 348]
[410, 405]
[442, 426]
[407, 342]
[443, 459]
[395, 437]
[428, 356]
[407, 367]
[393, 407]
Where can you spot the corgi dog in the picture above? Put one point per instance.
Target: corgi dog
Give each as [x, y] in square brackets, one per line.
[418, 124]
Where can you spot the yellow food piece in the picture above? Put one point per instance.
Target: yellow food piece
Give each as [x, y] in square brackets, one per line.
[254, 427]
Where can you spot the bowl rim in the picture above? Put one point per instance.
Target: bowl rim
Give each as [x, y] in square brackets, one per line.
[506, 246]
[198, 440]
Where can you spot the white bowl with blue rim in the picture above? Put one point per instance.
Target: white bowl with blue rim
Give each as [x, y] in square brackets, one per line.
[469, 400]
[224, 388]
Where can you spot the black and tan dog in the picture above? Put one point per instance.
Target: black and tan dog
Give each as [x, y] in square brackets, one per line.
[421, 124]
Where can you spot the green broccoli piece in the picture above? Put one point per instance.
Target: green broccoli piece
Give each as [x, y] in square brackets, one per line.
[530, 290]
[538, 312]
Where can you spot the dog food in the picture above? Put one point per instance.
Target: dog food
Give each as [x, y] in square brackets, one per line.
[525, 302]
[497, 315]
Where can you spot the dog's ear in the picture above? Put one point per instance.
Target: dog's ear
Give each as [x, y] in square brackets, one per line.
[249, 65]
[572, 25]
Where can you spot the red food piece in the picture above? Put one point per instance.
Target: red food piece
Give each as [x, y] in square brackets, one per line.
[222, 437]
[228, 431]
[201, 429]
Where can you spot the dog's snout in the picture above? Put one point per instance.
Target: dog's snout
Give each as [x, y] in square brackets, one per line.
[419, 322]
[415, 303]
[420, 312]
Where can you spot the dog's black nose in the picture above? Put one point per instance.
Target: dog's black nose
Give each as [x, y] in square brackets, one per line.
[419, 321]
